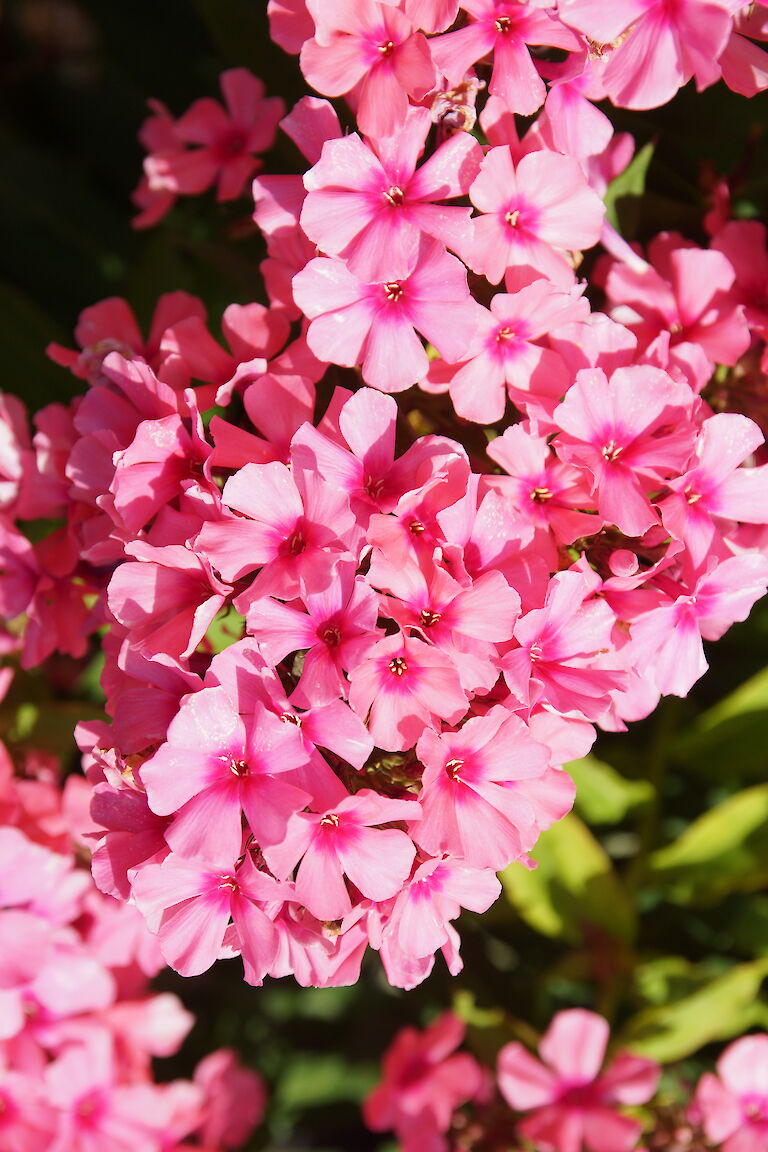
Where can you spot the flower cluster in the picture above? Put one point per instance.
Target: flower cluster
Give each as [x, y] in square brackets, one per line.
[570, 1100]
[79, 1027]
[346, 662]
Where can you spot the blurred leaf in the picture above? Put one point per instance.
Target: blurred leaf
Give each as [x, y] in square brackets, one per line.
[603, 796]
[574, 888]
[726, 1007]
[629, 184]
[725, 850]
[731, 737]
[310, 1081]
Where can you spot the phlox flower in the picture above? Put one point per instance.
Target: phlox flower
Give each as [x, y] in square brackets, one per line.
[558, 661]
[419, 923]
[235, 1099]
[403, 685]
[654, 47]
[474, 790]
[223, 140]
[685, 291]
[335, 632]
[716, 487]
[189, 905]
[667, 639]
[425, 1081]
[734, 1103]
[215, 766]
[570, 1104]
[372, 45]
[330, 845]
[531, 212]
[353, 322]
[504, 356]
[630, 432]
[368, 203]
[506, 28]
[281, 522]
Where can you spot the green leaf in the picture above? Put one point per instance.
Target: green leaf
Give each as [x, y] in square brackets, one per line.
[310, 1081]
[724, 851]
[628, 186]
[573, 888]
[725, 1007]
[730, 737]
[603, 796]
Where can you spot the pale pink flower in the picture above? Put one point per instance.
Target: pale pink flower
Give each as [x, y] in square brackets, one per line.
[403, 687]
[655, 47]
[734, 1104]
[474, 790]
[346, 842]
[630, 432]
[214, 767]
[372, 45]
[368, 203]
[532, 212]
[235, 1099]
[505, 28]
[373, 324]
[570, 1103]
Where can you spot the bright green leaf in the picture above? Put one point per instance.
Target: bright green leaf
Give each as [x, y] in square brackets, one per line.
[725, 1007]
[731, 736]
[573, 888]
[603, 796]
[725, 850]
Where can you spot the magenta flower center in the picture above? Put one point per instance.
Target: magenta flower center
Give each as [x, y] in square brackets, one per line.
[398, 666]
[228, 882]
[394, 196]
[540, 495]
[296, 543]
[372, 486]
[503, 24]
[387, 48]
[331, 636]
[535, 652]
[504, 334]
[453, 767]
[512, 216]
[238, 767]
[755, 1108]
[330, 820]
[290, 718]
[428, 618]
[579, 1096]
[691, 496]
[416, 528]
[611, 451]
[393, 291]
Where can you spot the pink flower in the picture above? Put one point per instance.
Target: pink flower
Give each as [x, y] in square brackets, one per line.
[474, 790]
[659, 46]
[353, 322]
[404, 686]
[531, 213]
[372, 45]
[734, 1104]
[224, 140]
[345, 842]
[369, 204]
[629, 432]
[571, 1104]
[425, 1081]
[213, 767]
[504, 27]
[235, 1099]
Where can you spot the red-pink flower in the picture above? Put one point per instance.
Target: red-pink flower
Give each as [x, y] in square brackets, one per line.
[425, 1081]
[571, 1105]
[223, 140]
